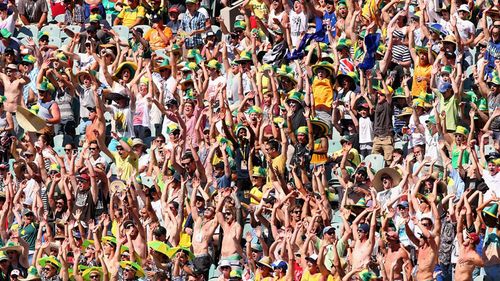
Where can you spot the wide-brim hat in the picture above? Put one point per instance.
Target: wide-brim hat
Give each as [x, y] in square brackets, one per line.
[86, 273]
[80, 74]
[321, 126]
[280, 75]
[441, 188]
[325, 65]
[127, 64]
[159, 247]
[50, 260]
[117, 96]
[29, 121]
[32, 275]
[139, 272]
[407, 111]
[245, 57]
[461, 130]
[164, 65]
[423, 49]
[391, 172]
[117, 186]
[265, 261]
[174, 250]
[11, 246]
[450, 39]
[351, 76]
[357, 208]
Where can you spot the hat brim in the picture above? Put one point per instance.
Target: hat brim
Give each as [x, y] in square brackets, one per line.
[80, 74]
[29, 121]
[243, 60]
[130, 65]
[17, 248]
[342, 77]
[321, 126]
[328, 68]
[356, 209]
[377, 180]
[281, 75]
[116, 96]
[264, 264]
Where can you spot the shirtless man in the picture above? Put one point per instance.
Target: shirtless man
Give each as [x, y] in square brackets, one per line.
[364, 238]
[231, 243]
[394, 257]
[468, 258]
[13, 82]
[173, 210]
[203, 231]
[96, 116]
[428, 246]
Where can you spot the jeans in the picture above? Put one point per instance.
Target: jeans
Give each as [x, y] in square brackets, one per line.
[446, 272]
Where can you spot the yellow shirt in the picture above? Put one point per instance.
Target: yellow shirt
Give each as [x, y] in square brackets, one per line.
[279, 163]
[126, 167]
[423, 72]
[255, 191]
[129, 15]
[155, 40]
[259, 8]
[323, 94]
[353, 156]
[311, 277]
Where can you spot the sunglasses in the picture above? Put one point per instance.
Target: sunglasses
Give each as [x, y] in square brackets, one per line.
[93, 148]
[426, 224]
[94, 276]
[330, 232]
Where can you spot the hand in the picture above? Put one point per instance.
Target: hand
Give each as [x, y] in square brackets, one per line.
[307, 112]
[77, 215]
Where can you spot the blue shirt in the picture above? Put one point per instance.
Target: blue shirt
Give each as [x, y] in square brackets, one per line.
[191, 23]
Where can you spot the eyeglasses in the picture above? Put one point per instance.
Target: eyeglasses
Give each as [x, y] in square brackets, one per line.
[129, 269]
[160, 141]
[426, 224]
[119, 148]
[59, 203]
[185, 165]
[67, 149]
[46, 269]
[93, 148]
[297, 212]
[94, 276]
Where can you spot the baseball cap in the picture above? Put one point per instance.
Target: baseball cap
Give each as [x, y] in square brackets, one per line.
[15, 272]
[312, 258]
[474, 237]
[364, 227]
[173, 9]
[84, 177]
[27, 212]
[279, 264]
[404, 204]
[328, 229]
[444, 87]
[128, 224]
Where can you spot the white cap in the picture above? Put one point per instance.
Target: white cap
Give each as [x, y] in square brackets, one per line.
[464, 7]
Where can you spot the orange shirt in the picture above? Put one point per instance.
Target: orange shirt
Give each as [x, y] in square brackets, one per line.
[155, 40]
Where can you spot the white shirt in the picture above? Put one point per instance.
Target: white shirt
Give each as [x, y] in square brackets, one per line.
[298, 25]
[365, 130]
[493, 182]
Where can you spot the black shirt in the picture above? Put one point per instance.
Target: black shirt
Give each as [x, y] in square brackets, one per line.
[382, 125]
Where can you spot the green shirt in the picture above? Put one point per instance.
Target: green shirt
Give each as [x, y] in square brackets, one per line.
[29, 233]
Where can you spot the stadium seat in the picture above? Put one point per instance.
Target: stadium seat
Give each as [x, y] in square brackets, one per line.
[377, 161]
[488, 149]
[144, 28]
[161, 53]
[334, 143]
[122, 31]
[56, 41]
[62, 140]
[59, 150]
[60, 18]
[26, 31]
[53, 30]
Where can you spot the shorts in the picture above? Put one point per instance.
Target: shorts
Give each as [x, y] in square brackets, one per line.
[202, 263]
[492, 272]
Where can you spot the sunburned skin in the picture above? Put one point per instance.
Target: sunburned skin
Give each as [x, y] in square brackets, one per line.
[13, 84]
[204, 228]
[426, 260]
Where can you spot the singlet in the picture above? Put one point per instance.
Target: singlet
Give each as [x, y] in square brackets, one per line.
[141, 113]
[323, 94]
[455, 153]
[423, 71]
[318, 158]
[44, 110]
[365, 130]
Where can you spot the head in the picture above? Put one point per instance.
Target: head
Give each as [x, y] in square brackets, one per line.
[229, 214]
[387, 181]
[381, 98]
[83, 181]
[363, 230]
[173, 13]
[272, 148]
[133, 3]
[192, 6]
[11, 70]
[187, 162]
[50, 270]
[92, 113]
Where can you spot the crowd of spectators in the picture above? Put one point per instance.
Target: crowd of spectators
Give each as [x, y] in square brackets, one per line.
[264, 140]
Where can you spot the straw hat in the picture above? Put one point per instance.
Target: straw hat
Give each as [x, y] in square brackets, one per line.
[357, 208]
[11, 246]
[81, 74]
[324, 65]
[321, 126]
[391, 172]
[117, 186]
[265, 261]
[86, 273]
[29, 121]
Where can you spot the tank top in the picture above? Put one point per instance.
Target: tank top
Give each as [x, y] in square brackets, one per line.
[323, 94]
[44, 111]
[423, 71]
[141, 114]
[455, 153]
[318, 158]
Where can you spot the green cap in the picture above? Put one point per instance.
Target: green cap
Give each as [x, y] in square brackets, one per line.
[46, 86]
[432, 120]
[42, 33]
[240, 25]
[259, 172]
[5, 33]
[483, 104]
[302, 130]
[29, 59]
[492, 210]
